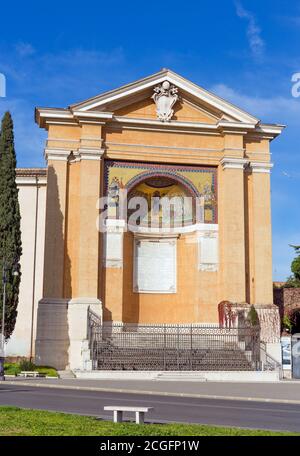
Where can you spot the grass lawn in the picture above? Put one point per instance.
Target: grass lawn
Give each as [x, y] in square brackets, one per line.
[16, 422]
[15, 369]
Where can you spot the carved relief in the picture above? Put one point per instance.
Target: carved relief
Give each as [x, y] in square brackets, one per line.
[165, 96]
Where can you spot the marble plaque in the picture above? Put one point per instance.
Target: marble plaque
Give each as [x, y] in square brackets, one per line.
[208, 252]
[113, 251]
[155, 266]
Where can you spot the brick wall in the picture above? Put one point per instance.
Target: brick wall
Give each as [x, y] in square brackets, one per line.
[287, 299]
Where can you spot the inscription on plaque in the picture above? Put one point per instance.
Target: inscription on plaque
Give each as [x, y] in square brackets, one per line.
[113, 251]
[208, 252]
[155, 266]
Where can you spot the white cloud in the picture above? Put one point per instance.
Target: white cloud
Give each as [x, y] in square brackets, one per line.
[52, 80]
[282, 110]
[272, 109]
[255, 40]
[64, 77]
[24, 49]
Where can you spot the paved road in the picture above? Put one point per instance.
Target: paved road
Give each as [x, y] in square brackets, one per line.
[275, 391]
[194, 410]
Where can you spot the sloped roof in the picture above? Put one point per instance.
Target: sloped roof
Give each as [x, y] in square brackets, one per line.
[100, 102]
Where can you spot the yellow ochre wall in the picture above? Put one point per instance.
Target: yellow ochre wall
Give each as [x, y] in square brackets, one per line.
[73, 258]
[193, 302]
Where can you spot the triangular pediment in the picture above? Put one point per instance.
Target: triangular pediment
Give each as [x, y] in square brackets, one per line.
[194, 104]
[184, 111]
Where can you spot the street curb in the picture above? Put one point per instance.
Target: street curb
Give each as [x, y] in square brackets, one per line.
[154, 393]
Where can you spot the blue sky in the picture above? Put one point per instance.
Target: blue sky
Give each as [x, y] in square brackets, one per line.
[58, 53]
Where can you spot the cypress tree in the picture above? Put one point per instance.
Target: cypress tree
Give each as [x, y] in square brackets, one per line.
[10, 233]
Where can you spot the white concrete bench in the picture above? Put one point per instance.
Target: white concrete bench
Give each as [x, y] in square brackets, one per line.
[30, 374]
[119, 409]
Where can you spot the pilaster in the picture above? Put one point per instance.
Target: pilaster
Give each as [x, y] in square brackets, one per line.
[261, 236]
[88, 248]
[232, 229]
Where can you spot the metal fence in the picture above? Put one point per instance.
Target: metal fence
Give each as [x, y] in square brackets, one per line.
[172, 347]
[268, 363]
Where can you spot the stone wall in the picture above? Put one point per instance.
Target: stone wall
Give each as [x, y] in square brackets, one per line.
[268, 315]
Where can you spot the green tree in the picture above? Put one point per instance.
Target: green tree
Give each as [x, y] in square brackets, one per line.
[10, 233]
[294, 279]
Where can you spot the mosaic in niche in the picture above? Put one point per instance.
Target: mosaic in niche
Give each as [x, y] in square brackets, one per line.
[154, 182]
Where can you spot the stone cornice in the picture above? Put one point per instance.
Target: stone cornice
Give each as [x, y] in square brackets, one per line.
[31, 176]
[32, 181]
[80, 154]
[48, 116]
[242, 163]
[31, 172]
[56, 154]
[234, 163]
[99, 116]
[261, 167]
[197, 227]
[90, 154]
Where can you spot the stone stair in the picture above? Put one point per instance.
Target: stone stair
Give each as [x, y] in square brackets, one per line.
[227, 358]
[170, 376]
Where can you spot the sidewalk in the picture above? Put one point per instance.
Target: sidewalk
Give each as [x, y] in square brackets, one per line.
[284, 391]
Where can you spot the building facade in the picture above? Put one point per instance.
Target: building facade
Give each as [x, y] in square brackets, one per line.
[161, 139]
[32, 184]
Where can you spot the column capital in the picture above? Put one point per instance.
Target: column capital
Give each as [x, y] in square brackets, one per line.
[261, 167]
[57, 154]
[90, 154]
[80, 154]
[233, 163]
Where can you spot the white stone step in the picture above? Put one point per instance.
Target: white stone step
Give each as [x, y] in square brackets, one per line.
[181, 376]
[66, 374]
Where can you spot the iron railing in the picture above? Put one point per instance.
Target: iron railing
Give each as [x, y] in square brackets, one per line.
[172, 347]
[268, 363]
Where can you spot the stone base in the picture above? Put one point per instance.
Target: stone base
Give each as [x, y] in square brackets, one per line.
[52, 338]
[79, 354]
[192, 376]
[274, 350]
[62, 332]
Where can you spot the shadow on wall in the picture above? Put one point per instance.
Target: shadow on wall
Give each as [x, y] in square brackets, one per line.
[52, 338]
[131, 301]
